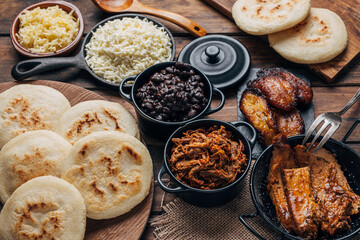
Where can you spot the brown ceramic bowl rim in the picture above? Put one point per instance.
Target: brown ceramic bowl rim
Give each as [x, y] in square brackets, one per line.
[64, 51]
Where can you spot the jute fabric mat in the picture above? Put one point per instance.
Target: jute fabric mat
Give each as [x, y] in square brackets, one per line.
[182, 220]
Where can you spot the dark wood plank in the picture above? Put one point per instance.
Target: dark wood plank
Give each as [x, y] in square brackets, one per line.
[348, 10]
[261, 56]
[212, 21]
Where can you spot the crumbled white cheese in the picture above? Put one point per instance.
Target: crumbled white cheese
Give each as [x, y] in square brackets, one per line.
[125, 47]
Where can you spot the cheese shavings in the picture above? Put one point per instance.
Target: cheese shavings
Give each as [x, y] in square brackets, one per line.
[125, 47]
[43, 30]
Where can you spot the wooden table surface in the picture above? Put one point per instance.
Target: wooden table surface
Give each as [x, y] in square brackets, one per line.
[326, 97]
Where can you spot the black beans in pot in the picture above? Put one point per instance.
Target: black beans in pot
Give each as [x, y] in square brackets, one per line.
[174, 94]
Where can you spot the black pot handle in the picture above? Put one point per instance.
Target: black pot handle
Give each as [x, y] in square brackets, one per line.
[252, 139]
[222, 96]
[40, 65]
[162, 171]
[347, 135]
[242, 220]
[126, 86]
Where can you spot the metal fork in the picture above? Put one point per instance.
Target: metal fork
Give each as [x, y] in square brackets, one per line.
[332, 119]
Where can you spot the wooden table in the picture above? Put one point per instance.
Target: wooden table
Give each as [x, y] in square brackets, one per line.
[326, 97]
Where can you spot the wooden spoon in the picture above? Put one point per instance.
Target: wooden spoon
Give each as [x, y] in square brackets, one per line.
[116, 6]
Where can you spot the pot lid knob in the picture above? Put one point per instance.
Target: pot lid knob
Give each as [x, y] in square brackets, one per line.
[223, 59]
[212, 53]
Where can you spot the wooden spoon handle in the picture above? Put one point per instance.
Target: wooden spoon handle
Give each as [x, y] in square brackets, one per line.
[184, 22]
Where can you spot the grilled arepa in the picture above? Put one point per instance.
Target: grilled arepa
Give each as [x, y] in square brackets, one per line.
[29, 107]
[319, 38]
[261, 17]
[30, 155]
[44, 208]
[112, 170]
[93, 116]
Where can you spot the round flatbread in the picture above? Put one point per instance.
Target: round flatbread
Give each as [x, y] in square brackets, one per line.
[27, 107]
[44, 208]
[319, 38]
[30, 155]
[112, 170]
[93, 116]
[259, 17]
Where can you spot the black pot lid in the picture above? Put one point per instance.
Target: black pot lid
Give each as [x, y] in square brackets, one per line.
[224, 60]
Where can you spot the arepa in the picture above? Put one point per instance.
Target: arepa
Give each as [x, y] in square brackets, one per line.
[112, 170]
[319, 38]
[28, 107]
[93, 116]
[259, 17]
[44, 208]
[30, 155]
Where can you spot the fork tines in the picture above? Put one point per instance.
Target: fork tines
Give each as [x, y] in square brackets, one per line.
[331, 121]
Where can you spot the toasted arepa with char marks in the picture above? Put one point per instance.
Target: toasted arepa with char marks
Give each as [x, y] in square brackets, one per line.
[112, 170]
[319, 38]
[93, 116]
[259, 17]
[30, 155]
[28, 107]
[44, 208]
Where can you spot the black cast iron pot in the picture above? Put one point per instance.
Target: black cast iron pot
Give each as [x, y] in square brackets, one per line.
[215, 197]
[350, 164]
[151, 126]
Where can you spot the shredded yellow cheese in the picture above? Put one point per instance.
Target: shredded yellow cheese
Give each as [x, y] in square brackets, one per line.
[43, 30]
[125, 47]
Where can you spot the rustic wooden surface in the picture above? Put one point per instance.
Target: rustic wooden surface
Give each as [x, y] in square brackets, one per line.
[130, 224]
[327, 97]
[348, 10]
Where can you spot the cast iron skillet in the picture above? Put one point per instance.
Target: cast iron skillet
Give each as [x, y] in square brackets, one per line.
[350, 164]
[28, 68]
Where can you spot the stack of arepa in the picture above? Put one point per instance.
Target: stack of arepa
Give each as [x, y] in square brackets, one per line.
[60, 164]
[297, 31]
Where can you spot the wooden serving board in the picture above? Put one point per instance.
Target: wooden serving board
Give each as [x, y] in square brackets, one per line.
[348, 10]
[128, 226]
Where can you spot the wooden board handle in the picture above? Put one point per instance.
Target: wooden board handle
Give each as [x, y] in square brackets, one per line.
[184, 22]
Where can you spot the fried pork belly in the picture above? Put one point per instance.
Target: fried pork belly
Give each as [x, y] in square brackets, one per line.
[332, 190]
[290, 123]
[283, 158]
[301, 201]
[258, 112]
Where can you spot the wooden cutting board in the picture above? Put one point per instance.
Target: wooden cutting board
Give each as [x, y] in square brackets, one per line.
[348, 10]
[129, 226]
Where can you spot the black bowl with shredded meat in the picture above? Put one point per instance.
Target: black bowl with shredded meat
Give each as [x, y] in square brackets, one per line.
[207, 158]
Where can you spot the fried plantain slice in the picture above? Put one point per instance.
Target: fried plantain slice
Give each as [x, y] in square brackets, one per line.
[279, 92]
[304, 93]
[260, 115]
[290, 123]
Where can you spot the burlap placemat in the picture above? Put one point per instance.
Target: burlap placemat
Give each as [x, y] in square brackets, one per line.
[182, 220]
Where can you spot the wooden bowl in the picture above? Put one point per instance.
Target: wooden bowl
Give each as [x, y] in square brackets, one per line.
[67, 7]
